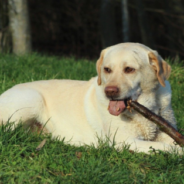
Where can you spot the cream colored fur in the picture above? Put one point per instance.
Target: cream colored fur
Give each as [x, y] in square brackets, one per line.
[77, 110]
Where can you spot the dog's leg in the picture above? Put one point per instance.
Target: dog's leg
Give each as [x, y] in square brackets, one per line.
[163, 137]
[147, 146]
[21, 104]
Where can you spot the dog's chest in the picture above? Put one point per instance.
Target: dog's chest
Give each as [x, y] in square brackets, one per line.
[146, 130]
[141, 128]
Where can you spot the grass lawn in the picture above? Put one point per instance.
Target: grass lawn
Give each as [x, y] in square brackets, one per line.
[57, 162]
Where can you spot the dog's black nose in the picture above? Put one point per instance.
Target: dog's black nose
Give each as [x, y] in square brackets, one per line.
[111, 91]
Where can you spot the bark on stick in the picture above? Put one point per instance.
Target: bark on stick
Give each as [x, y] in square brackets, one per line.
[161, 122]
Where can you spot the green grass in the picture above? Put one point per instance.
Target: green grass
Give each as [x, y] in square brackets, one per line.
[57, 162]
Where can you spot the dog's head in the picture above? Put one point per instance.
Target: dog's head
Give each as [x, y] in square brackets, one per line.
[126, 70]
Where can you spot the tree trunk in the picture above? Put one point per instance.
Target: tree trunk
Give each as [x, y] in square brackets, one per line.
[174, 36]
[125, 20]
[19, 24]
[5, 35]
[146, 35]
[107, 24]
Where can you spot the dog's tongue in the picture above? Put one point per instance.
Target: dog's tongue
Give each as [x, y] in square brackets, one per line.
[116, 107]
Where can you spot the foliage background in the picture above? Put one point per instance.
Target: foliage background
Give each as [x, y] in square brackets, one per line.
[73, 27]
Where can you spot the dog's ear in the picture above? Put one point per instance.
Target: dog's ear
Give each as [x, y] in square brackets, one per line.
[162, 69]
[99, 64]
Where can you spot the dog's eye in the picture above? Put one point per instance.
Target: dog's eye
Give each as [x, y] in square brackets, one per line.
[107, 70]
[129, 70]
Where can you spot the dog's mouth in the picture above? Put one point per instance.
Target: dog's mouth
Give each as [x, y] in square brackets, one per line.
[116, 107]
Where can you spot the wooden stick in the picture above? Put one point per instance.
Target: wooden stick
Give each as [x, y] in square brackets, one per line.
[164, 125]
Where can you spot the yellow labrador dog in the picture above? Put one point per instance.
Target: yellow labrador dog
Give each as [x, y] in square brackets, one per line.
[81, 111]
